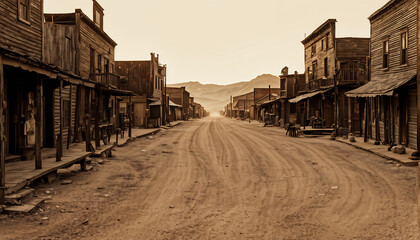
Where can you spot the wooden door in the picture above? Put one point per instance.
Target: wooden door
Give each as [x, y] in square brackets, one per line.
[139, 114]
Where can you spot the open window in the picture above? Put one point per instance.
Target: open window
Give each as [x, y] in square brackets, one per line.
[24, 11]
[404, 44]
[385, 53]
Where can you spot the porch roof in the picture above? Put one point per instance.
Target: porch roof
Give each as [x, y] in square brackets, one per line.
[172, 104]
[308, 95]
[384, 85]
[118, 92]
[156, 103]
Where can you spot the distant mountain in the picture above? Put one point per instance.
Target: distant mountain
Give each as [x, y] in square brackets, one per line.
[214, 97]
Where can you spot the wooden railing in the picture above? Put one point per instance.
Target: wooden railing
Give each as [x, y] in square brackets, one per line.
[106, 79]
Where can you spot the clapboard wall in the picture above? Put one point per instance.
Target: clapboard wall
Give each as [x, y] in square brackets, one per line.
[18, 35]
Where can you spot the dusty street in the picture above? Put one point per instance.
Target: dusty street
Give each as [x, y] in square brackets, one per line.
[225, 179]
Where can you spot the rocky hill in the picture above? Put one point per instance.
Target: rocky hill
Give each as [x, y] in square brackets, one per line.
[214, 97]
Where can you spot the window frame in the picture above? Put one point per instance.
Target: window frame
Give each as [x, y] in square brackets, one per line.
[25, 19]
[404, 51]
[66, 113]
[99, 63]
[385, 54]
[326, 72]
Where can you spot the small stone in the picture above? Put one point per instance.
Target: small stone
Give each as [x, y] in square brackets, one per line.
[334, 187]
[352, 139]
[66, 182]
[171, 207]
[389, 162]
[100, 161]
[399, 150]
[48, 192]
[398, 165]
[85, 222]
[44, 218]
[106, 195]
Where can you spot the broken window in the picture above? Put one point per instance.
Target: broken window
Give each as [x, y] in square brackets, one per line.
[23, 10]
[404, 43]
[385, 63]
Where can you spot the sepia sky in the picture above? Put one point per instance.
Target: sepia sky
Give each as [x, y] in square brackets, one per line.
[221, 41]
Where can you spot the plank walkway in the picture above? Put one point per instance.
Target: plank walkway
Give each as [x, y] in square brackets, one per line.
[20, 174]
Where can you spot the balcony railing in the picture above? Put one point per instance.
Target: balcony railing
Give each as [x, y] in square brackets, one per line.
[106, 79]
[345, 76]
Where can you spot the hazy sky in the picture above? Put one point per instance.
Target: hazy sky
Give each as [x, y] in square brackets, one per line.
[222, 41]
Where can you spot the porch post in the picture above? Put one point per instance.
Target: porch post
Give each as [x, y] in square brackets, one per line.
[366, 120]
[59, 144]
[130, 116]
[2, 137]
[87, 119]
[70, 123]
[38, 102]
[97, 118]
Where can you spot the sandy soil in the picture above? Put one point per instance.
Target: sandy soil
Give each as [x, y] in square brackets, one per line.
[225, 179]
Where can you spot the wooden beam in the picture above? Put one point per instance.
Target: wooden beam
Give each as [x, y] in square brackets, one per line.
[130, 116]
[59, 144]
[38, 114]
[70, 123]
[88, 141]
[2, 136]
[97, 118]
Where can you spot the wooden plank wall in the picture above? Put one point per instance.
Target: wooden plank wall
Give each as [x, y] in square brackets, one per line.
[412, 119]
[90, 38]
[137, 74]
[352, 49]
[320, 55]
[60, 46]
[403, 15]
[65, 96]
[18, 35]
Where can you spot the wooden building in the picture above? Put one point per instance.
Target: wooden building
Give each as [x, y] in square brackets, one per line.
[288, 90]
[147, 79]
[259, 93]
[92, 51]
[242, 105]
[390, 98]
[180, 96]
[333, 66]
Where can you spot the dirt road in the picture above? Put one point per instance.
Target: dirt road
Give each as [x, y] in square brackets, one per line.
[225, 179]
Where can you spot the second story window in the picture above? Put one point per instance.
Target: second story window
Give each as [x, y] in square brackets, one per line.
[404, 43]
[326, 67]
[314, 69]
[323, 44]
[24, 10]
[283, 84]
[313, 49]
[385, 49]
[106, 65]
[99, 64]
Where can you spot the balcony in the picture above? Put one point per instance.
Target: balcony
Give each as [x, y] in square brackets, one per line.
[352, 76]
[316, 85]
[106, 79]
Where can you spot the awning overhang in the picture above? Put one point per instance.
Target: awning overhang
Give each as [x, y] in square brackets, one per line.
[156, 103]
[308, 95]
[172, 104]
[383, 85]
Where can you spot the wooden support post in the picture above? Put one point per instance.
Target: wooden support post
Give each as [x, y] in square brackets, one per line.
[86, 121]
[2, 135]
[38, 102]
[59, 144]
[70, 123]
[366, 138]
[97, 118]
[130, 116]
[83, 165]
[117, 131]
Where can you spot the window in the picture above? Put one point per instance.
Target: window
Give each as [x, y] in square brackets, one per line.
[156, 82]
[106, 65]
[98, 19]
[326, 67]
[66, 113]
[314, 69]
[326, 41]
[322, 44]
[404, 43]
[313, 51]
[283, 84]
[99, 64]
[24, 10]
[92, 60]
[385, 50]
[309, 73]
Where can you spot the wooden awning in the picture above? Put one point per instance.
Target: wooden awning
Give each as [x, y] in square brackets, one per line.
[384, 85]
[308, 95]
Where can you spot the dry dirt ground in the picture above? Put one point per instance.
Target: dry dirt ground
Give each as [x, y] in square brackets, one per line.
[225, 179]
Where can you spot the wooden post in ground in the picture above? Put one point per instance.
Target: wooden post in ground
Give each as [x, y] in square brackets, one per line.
[59, 143]
[130, 116]
[416, 154]
[86, 121]
[97, 118]
[366, 138]
[38, 102]
[69, 131]
[2, 136]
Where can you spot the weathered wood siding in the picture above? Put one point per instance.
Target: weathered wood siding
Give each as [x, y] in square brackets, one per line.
[137, 74]
[20, 36]
[412, 119]
[65, 96]
[60, 46]
[389, 25]
[319, 56]
[89, 38]
[352, 49]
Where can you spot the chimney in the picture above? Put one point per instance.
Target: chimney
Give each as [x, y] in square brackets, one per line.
[98, 15]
